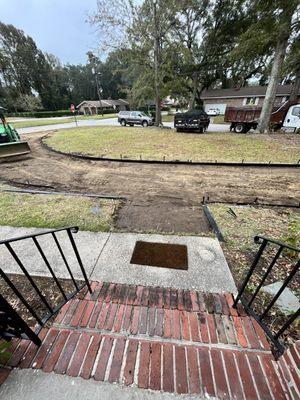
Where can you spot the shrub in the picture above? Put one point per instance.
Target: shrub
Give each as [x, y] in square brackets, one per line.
[107, 111]
[42, 114]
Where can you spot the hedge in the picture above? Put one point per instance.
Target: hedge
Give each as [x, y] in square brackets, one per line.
[42, 114]
[60, 113]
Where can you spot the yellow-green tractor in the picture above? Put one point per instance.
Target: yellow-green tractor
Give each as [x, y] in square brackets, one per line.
[10, 144]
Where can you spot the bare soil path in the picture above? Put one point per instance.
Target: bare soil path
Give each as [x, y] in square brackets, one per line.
[161, 198]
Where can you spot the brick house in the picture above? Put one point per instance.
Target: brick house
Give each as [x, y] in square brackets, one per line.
[252, 95]
[91, 107]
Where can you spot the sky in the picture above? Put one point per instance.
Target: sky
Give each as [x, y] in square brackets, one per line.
[57, 26]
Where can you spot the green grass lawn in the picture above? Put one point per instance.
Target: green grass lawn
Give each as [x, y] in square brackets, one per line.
[152, 143]
[39, 122]
[43, 121]
[56, 211]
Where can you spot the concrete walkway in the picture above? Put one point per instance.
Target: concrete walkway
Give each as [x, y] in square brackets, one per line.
[37, 385]
[106, 257]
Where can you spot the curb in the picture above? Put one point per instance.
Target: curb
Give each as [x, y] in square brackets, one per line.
[213, 223]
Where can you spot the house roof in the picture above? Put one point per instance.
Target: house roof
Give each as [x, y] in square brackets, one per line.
[104, 103]
[255, 91]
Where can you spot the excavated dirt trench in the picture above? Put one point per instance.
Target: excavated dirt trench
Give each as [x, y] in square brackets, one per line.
[160, 197]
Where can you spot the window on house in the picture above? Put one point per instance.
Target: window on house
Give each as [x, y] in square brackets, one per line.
[251, 101]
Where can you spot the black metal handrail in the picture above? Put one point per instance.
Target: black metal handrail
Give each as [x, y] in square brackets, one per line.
[264, 242]
[12, 324]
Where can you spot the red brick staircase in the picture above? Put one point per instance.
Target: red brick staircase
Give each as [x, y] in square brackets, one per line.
[162, 339]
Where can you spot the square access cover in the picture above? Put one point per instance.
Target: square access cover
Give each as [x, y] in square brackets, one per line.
[163, 255]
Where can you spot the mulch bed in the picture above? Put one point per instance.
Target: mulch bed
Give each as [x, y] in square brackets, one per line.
[47, 287]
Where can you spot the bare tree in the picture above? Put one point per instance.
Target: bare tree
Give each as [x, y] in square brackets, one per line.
[112, 20]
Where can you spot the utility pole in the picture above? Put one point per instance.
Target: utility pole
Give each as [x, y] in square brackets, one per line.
[92, 60]
[99, 90]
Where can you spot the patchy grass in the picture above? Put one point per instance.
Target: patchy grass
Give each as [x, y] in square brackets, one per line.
[43, 121]
[218, 119]
[168, 118]
[240, 249]
[277, 223]
[153, 143]
[56, 211]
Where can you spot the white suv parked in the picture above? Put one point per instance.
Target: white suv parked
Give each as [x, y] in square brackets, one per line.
[213, 112]
[134, 118]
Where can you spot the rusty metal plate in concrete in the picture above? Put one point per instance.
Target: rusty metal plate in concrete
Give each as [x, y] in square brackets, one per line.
[164, 255]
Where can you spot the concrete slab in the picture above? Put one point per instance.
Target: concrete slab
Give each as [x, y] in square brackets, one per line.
[207, 266]
[106, 257]
[35, 385]
[89, 244]
[287, 302]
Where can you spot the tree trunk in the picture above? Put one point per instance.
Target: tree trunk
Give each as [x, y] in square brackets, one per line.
[194, 92]
[157, 60]
[296, 87]
[158, 120]
[265, 116]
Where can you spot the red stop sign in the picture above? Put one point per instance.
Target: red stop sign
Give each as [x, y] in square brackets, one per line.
[72, 108]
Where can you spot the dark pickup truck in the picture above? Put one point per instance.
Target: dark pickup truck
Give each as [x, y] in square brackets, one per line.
[191, 121]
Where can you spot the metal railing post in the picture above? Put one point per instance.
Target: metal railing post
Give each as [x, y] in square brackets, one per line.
[79, 259]
[14, 325]
[284, 285]
[17, 323]
[19, 295]
[64, 258]
[250, 272]
[266, 275]
[49, 267]
[287, 324]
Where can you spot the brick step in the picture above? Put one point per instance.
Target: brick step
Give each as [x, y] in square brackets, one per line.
[178, 368]
[167, 298]
[191, 326]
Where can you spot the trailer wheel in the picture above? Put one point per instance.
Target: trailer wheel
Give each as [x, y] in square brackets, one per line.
[240, 128]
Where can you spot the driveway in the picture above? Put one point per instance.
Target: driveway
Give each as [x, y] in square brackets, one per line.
[103, 122]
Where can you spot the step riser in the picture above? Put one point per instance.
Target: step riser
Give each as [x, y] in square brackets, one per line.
[168, 324]
[154, 365]
[177, 341]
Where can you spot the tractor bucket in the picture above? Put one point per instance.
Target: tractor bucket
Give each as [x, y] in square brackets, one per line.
[14, 149]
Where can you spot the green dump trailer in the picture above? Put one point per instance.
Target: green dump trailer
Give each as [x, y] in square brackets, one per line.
[10, 144]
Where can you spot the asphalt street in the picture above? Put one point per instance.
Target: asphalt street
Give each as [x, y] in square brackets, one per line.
[102, 122]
